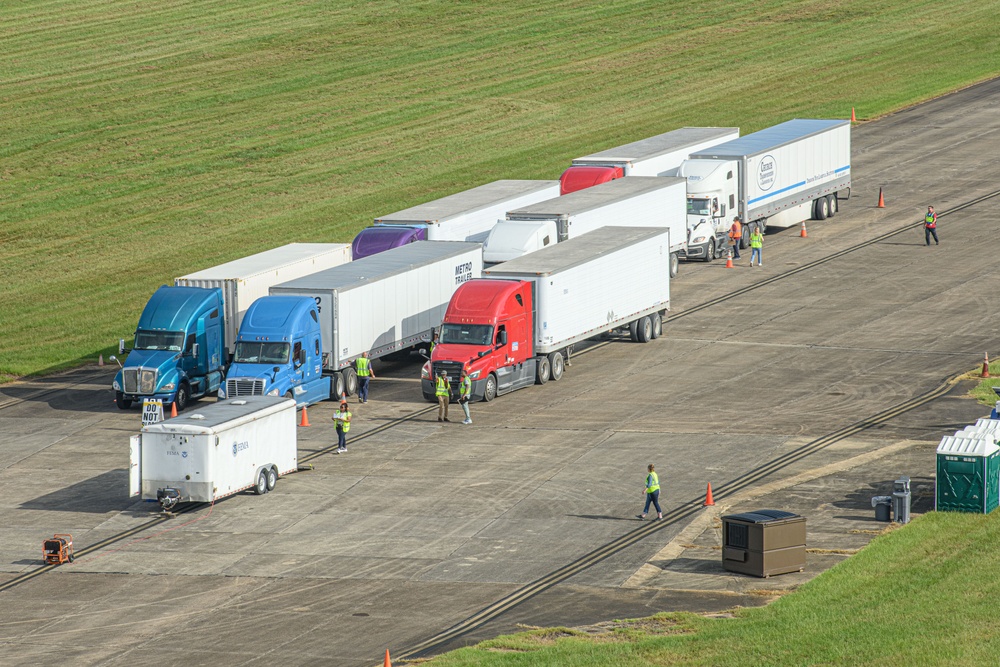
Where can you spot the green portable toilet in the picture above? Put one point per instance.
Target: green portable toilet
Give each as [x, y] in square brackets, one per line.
[968, 473]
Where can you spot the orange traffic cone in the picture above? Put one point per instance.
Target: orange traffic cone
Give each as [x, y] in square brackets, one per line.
[305, 417]
[881, 200]
[729, 260]
[388, 662]
[854, 119]
[986, 365]
[803, 232]
[708, 496]
[173, 409]
[100, 360]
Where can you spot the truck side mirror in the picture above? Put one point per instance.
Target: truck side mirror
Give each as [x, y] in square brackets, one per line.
[194, 350]
[302, 356]
[121, 346]
[502, 338]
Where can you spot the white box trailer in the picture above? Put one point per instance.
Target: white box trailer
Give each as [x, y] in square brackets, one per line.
[654, 156]
[387, 302]
[779, 176]
[603, 280]
[639, 201]
[219, 450]
[470, 215]
[245, 280]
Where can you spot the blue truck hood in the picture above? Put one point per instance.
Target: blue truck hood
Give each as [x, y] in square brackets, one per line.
[159, 359]
[245, 370]
[373, 240]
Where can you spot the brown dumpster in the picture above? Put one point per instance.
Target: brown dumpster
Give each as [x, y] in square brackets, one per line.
[764, 542]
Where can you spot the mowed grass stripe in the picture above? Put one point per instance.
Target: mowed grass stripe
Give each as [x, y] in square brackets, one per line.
[144, 142]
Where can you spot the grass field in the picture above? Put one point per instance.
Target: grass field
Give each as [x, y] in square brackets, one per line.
[924, 594]
[147, 140]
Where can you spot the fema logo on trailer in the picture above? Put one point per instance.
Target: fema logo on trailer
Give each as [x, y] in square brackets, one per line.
[239, 447]
[766, 172]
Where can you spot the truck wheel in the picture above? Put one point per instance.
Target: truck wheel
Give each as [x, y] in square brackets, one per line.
[350, 381]
[832, 206]
[675, 264]
[260, 488]
[657, 325]
[644, 331]
[543, 371]
[633, 332]
[272, 479]
[337, 386]
[710, 251]
[745, 237]
[491, 388]
[183, 396]
[820, 209]
[122, 402]
[558, 365]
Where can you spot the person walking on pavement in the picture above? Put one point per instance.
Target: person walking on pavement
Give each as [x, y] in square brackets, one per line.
[365, 373]
[930, 226]
[756, 246]
[735, 236]
[652, 493]
[342, 417]
[442, 389]
[465, 394]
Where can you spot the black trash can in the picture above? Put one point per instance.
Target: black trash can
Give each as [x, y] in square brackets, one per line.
[883, 508]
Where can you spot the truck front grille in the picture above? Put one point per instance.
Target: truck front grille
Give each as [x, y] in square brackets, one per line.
[454, 371]
[139, 380]
[244, 387]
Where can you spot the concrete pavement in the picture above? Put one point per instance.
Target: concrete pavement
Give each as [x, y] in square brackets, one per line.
[424, 524]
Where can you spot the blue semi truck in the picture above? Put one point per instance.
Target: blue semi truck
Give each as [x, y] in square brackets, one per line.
[279, 352]
[179, 351]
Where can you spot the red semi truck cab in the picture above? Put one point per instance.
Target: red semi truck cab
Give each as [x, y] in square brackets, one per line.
[581, 177]
[488, 328]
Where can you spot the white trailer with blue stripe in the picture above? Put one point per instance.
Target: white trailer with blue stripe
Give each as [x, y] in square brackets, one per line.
[780, 176]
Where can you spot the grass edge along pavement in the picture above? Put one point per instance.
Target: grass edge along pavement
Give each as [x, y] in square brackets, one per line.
[921, 594]
[204, 132]
[983, 392]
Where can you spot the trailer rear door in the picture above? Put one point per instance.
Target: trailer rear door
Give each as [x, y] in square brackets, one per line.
[134, 467]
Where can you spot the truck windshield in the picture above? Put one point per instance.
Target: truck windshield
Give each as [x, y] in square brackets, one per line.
[159, 340]
[699, 207]
[466, 334]
[261, 353]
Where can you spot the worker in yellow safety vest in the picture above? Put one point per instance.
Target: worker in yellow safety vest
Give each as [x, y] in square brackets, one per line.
[757, 246]
[442, 389]
[930, 226]
[342, 417]
[365, 373]
[465, 394]
[652, 493]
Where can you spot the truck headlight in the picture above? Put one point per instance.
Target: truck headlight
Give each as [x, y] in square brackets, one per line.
[474, 375]
[117, 386]
[698, 239]
[425, 372]
[221, 393]
[168, 387]
[273, 392]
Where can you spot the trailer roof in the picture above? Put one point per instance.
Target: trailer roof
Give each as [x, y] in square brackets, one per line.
[205, 419]
[603, 194]
[770, 138]
[576, 251]
[461, 203]
[264, 262]
[379, 266]
[668, 142]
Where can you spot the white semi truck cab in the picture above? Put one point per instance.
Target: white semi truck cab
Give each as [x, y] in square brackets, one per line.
[711, 201]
